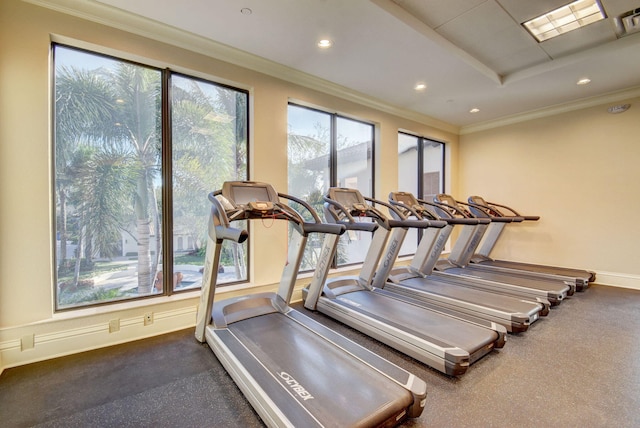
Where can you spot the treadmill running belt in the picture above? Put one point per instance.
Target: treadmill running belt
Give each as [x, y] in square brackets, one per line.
[439, 329]
[343, 390]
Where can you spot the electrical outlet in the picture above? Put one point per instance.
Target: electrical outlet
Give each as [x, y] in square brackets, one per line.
[114, 325]
[148, 318]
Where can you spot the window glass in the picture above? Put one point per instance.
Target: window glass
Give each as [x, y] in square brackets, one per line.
[432, 169]
[208, 146]
[308, 153]
[408, 181]
[110, 213]
[407, 163]
[421, 172]
[325, 150]
[107, 183]
[354, 170]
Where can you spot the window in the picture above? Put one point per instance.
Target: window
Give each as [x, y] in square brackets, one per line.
[137, 149]
[421, 172]
[328, 150]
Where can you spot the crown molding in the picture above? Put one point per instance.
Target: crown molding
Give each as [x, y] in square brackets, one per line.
[612, 97]
[116, 18]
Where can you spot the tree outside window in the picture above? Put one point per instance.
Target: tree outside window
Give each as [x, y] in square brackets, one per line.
[324, 150]
[113, 183]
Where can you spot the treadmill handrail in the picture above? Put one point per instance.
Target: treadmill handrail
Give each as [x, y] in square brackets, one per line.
[330, 208]
[451, 219]
[369, 210]
[486, 212]
[224, 211]
[447, 218]
[452, 210]
[221, 223]
[404, 221]
[497, 219]
[412, 211]
[455, 209]
[317, 226]
[278, 211]
[435, 205]
[515, 213]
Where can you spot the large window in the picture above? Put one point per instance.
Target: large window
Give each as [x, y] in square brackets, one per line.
[421, 172]
[137, 149]
[327, 150]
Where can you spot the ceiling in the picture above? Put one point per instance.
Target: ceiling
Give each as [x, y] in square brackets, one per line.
[469, 53]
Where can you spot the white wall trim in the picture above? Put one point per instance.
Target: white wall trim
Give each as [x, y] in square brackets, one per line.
[58, 343]
[614, 279]
[611, 98]
[66, 341]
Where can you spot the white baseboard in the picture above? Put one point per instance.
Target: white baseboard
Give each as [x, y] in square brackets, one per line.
[615, 279]
[46, 345]
[41, 342]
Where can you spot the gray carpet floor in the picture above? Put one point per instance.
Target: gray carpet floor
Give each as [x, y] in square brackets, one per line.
[578, 367]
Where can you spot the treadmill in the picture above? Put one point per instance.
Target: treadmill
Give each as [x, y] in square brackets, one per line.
[458, 262]
[294, 371]
[427, 255]
[444, 342]
[459, 295]
[480, 207]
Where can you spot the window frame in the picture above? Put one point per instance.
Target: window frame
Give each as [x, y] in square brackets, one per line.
[333, 156]
[421, 141]
[165, 168]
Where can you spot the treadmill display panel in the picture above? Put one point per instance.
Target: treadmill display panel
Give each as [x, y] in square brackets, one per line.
[446, 199]
[346, 197]
[242, 195]
[406, 199]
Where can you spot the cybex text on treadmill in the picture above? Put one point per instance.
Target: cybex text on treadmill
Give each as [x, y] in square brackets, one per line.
[390, 254]
[295, 386]
[323, 260]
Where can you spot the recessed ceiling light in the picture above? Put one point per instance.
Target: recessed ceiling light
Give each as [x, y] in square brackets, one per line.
[566, 18]
[583, 81]
[420, 86]
[474, 110]
[325, 43]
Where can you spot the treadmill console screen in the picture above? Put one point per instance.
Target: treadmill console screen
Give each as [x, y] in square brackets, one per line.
[406, 198]
[242, 195]
[446, 199]
[478, 200]
[346, 197]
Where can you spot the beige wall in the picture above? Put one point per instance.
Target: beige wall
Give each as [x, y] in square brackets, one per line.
[26, 201]
[579, 172]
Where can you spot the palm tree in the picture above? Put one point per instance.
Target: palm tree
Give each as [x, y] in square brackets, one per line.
[139, 119]
[108, 156]
[115, 113]
[84, 107]
[208, 147]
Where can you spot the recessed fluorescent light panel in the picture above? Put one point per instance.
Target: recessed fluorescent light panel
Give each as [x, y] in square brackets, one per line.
[564, 19]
